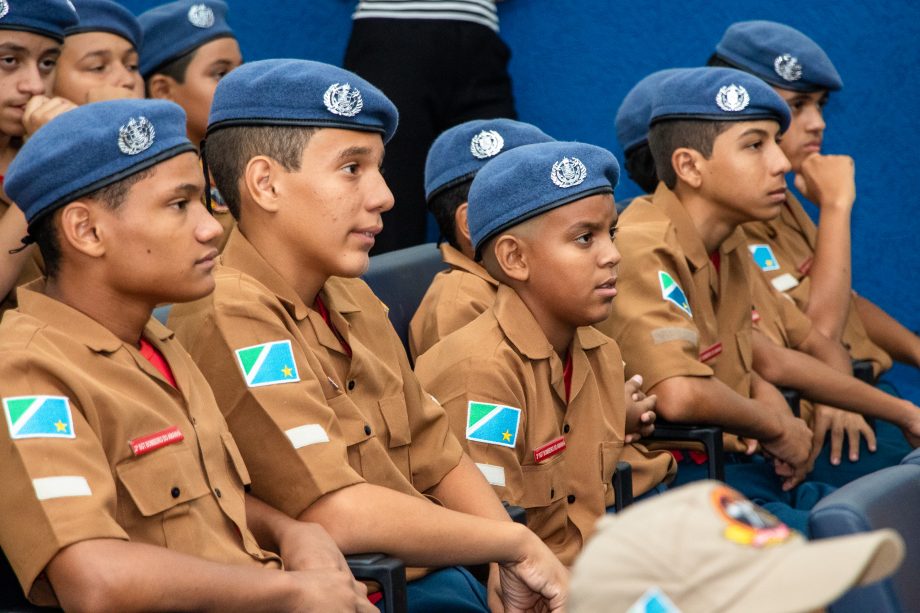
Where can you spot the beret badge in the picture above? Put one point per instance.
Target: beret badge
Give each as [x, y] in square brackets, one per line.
[568, 172]
[136, 136]
[486, 144]
[343, 99]
[733, 98]
[4, 8]
[201, 16]
[787, 67]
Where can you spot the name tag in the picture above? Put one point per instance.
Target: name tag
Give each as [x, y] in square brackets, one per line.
[152, 442]
[710, 352]
[554, 447]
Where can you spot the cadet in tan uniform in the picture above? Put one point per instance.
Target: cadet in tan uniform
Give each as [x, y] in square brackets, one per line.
[685, 315]
[31, 33]
[314, 382]
[461, 293]
[534, 392]
[812, 263]
[124, 487]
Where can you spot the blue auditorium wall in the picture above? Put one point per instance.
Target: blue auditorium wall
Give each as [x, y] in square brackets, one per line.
[574, 60]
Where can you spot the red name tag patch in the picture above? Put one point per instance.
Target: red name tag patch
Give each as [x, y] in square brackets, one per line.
[755, 316]
[548, 450]
[805, 266]
[152, 442]
[710, 352]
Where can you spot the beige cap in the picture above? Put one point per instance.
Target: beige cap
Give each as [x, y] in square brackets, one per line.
[709, 549]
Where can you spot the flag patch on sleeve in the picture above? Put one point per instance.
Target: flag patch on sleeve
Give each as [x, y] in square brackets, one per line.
[268, 364]
[494, 424]
[38, 417]
[763, 257]
[672, 292]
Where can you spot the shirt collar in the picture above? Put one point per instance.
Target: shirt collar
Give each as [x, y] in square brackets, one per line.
[455, 259]
[691, 243]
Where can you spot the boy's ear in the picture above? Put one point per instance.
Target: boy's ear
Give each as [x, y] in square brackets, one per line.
[461, 224]
[687, 165]
[511, 256]
[260, 179]
[161, 86]
[80, 228]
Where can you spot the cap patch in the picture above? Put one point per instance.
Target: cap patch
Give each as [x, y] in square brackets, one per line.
[4, 8]
[486, 144]
[343, 99]
[568, 172]
[136, 136]
[764, 257]
[201, 16]
[788, 67]
[672, 292]
[732, 98]
[745, 522]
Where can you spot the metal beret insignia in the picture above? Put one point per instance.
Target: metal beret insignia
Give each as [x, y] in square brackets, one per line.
[136, 136]
[486, 144]
[343, 99]
[201, 16]
[4, 8]
[732, 98]
[568, 172]
[788, 67]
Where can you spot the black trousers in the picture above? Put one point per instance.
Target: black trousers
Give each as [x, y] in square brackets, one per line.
[439, 74]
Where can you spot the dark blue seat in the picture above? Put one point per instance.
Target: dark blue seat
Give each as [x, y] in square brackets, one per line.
[888, 498]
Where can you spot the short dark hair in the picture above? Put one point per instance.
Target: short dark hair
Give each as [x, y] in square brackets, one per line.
[44, 231]
[444, 207]
[717, 62]
[228, 150]
[640, 166]
[175, 69]
[665, 137]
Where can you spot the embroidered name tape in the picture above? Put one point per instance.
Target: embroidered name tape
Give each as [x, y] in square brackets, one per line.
[268, 364]
[492, 423]
[38, 417]
[710, 352]
[672, 292]
[545, 452]
[152, 442]
[47, 488]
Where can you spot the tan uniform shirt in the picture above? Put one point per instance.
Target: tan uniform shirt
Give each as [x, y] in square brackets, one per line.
[33, 268]
[227, 223]
[675, 315]
[456, 297]
[503, 358]
[793, 237]
[309, 419]
[84, 415]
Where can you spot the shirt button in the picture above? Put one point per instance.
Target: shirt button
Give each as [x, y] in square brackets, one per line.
[367, 429]
[175, 492]
[217, 492]
[552, 493]
[571, 498]
[351, 385]
[566, 428]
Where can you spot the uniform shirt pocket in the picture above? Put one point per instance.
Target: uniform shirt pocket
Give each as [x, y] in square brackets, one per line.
[396, 417]
[236, 458]
[610, 452]
[543, 484]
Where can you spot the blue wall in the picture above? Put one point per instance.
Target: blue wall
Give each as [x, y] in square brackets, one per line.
[574, 60]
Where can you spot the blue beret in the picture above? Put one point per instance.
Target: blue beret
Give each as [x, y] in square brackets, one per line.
[106, 16]
[176, 28]
[300, 93]
[459, 152]
[719, 94]
[46, 17]
[779, 55]
[534, 179]
[90, 147]
[633, 115]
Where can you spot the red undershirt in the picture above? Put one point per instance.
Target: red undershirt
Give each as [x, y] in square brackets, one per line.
[567, 376]
[153, 355]
[320, 307]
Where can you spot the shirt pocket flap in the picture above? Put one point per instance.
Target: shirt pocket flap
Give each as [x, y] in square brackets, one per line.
[744, 348]
[543, 483]
[354, 428]
[396, 417]
[163, 479]
[236, 458]
[611, 452]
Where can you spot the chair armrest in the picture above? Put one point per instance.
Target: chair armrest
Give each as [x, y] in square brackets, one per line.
[709, 436]
[389, 573]
[518, 514]
[793, 399]
[622, 486]
[862, 370]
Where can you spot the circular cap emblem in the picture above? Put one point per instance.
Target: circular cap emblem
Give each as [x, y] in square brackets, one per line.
[343, 99]
[486, 144]
[4, 8]
[732, 98]
[568, 172]
[746, 523]
[201, 16]
[787, 67]
[136, 136]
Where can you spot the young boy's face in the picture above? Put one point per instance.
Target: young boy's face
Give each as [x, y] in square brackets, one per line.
[161, 243]
[27, 63]
[211, 63]
[806, 132]
[332, 207]
[573, 260]
[98, 65]
[744, 176]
